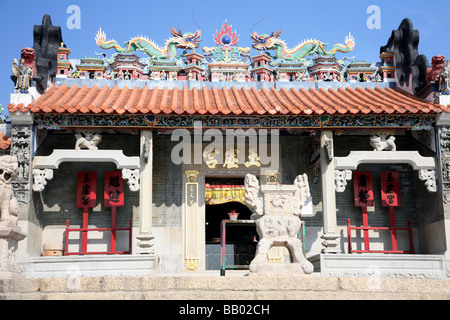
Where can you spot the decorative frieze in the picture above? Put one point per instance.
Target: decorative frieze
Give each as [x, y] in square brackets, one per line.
[59, 121]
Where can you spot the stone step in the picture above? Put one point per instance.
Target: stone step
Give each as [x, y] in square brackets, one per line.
[236, 285]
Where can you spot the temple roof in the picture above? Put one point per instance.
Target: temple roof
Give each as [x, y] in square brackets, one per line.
[74, 99]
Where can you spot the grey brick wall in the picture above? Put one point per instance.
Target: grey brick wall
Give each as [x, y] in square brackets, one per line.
[417, 204]
[58, 201]
[295, 160]
[58, 198]
[167, 184]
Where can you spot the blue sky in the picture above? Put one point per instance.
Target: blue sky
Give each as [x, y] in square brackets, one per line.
[326, 20]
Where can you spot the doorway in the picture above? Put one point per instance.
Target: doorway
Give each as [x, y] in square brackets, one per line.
[241, 240]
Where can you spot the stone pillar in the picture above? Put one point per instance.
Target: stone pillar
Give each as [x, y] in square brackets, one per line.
[145, 236]
[10, 233]
[23, 146]
[331, 238]
[442, 227]
[21, 141]
[191, 221]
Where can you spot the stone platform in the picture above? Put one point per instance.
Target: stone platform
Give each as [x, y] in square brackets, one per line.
[380, 265]
[90, 265]
[234, 286]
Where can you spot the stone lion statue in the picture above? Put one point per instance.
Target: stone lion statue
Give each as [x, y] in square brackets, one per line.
[89, 141]
[9, 169]
[380, 143]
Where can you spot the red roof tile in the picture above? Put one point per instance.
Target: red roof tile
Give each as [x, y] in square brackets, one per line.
[244, 101]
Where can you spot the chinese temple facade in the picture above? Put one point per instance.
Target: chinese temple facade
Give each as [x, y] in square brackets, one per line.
[136, 163]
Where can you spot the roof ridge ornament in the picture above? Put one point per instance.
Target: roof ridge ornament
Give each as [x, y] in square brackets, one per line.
[305, 48]
[141, 43]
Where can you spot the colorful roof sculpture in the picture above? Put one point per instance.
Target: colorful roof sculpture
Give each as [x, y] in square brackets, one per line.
[5, 142]
[226, 37]
[307, 47]
[284, 89]
[244, 101]
[140, 43]
[226, 50]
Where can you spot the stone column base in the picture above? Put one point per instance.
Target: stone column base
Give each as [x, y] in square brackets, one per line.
[330, 243]
[145, 245]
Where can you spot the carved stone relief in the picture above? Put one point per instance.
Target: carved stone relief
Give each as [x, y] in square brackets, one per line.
[10, 232]
[8, 203]
[147, 149]
[340, 179]
[87, 140]
[383, 142]
[21, 148]
[430, 179]
[40, 177]
[132, 177]
[276, 210]
[328, 145]
[191, 221]
[444, 147]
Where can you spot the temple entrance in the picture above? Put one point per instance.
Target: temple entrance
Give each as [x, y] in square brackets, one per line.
[222, 196]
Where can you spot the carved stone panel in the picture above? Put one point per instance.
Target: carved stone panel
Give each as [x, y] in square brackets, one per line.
[444, 148]
[276, 210]
[40, 177]
[191, 221]
[21, 148]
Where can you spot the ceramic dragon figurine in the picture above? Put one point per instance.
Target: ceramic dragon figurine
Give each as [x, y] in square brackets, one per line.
[307, 47]
[140, 43]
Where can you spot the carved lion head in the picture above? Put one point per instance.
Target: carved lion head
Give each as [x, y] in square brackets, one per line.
[9, 168]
